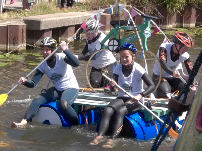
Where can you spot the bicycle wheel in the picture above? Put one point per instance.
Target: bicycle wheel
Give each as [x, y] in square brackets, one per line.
[88, 68]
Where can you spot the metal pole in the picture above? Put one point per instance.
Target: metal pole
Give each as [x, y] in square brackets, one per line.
[1, 6]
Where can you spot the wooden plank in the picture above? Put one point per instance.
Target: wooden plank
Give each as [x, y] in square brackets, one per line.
[91, 102]
[96, 96]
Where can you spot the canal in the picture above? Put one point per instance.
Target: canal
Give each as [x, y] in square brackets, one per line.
[37, 137]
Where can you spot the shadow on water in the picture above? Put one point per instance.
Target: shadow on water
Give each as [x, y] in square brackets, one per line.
[51, 138]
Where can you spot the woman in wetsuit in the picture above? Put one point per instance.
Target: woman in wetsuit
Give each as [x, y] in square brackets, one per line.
[171, 55]
[129, 75]
[58, 69]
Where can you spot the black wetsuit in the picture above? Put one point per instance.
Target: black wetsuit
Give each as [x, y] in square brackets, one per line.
[169, 85]
[65, 98]
[114, 113]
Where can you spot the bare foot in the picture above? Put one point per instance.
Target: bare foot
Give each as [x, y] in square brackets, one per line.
[109, 144]
[97, 140]
[22, 124]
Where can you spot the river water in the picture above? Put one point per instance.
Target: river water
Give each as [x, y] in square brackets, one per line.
[37, 137]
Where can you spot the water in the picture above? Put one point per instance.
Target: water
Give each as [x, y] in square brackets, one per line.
[37, 137]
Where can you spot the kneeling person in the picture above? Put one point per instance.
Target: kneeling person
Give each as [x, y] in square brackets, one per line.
[58, 69]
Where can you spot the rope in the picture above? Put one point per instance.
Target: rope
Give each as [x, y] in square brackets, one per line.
[157, 131]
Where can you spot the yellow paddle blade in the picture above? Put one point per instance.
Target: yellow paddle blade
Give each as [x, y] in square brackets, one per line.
[3, 98]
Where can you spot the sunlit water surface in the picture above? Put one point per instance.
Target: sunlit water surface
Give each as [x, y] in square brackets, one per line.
[37, 137]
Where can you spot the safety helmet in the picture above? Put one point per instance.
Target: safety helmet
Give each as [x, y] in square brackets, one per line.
[48, 42]
[92, 25]
[183, 39]
[128, 46]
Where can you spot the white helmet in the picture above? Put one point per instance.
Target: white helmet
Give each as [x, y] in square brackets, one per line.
[92, 25]
[49, 42]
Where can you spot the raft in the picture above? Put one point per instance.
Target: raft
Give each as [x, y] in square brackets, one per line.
[140, 124]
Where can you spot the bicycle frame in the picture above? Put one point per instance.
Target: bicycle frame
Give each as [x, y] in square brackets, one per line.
[114, 34]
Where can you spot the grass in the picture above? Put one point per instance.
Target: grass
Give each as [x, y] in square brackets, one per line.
[197, 31]
[42, 8]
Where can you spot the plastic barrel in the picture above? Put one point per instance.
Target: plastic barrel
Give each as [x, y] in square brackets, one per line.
[139, 128]
[49, 114]
[91, 116]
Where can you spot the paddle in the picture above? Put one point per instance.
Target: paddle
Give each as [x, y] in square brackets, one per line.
[171, 131]
[3, 97]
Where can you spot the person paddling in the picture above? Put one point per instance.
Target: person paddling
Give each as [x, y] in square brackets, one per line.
[130, 76]
[171, 55]
[102, 60]
[58, 69]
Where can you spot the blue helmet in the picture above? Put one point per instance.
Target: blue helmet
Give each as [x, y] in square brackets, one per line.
[128, 46]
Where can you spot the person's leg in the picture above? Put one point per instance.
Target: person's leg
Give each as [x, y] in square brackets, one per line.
[65, 105]
[117, 126]
[176, 84]
[118, 121]
[69, 3]
[164, 89]
[62, 3]
[104, 125]
[95, 78]
[106, 117]
[46, 96]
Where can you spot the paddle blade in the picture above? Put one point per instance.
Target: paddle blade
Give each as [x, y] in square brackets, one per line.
[172, 133]
[3, 98]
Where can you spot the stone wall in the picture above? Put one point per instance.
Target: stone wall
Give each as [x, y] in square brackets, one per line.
[13, 36]
[16, 34]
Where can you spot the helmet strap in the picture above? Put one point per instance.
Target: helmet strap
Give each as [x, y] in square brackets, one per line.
[178, 50]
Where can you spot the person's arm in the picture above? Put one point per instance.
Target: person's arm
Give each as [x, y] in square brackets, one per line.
[188, 65]
[113, 86]
[35, 79]
[71, 59]
[163, 60]
[150, 85]
[84, 55]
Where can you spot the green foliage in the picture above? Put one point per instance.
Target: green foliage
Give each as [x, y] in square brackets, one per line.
[193, 3]
[140, 3]
[171, 5]
[95, 4]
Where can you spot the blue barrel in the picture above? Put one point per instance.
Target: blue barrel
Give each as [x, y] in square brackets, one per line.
[139, 128]
[91, 116]
[50, 114]
[134, 124]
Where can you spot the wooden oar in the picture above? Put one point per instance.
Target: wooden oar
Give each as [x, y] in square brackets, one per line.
[3, 97]
[171, 131]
